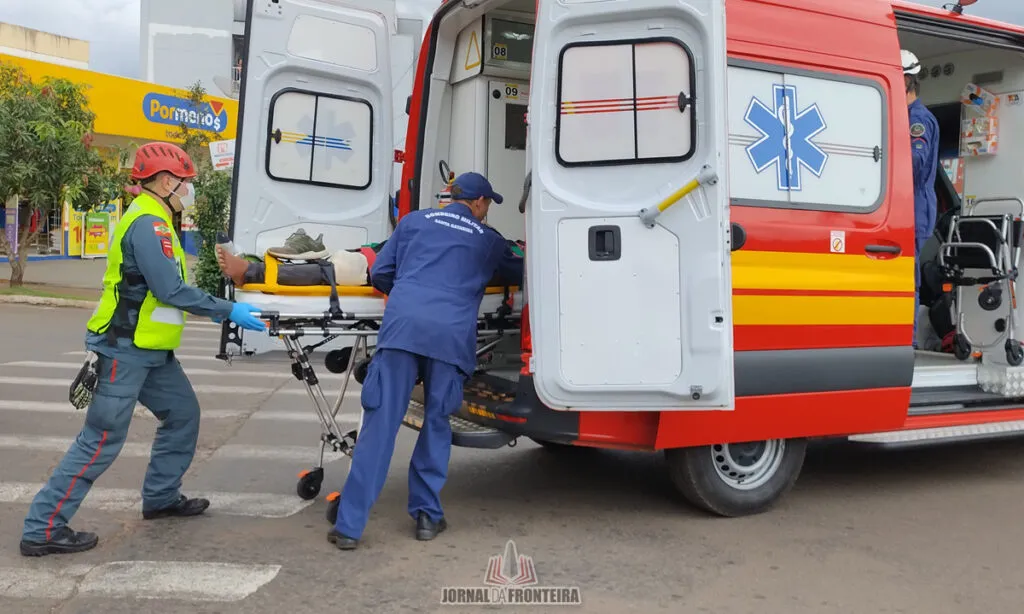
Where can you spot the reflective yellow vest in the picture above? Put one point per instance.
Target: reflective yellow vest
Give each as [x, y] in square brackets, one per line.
[159, 326]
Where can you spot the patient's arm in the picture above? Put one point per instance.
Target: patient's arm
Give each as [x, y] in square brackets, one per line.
[382, 274]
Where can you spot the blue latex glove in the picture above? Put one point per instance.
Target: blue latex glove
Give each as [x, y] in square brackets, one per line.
[242, 316]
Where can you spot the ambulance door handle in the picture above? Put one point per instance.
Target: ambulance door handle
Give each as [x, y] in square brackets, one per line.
[882, 251]
[605, 243]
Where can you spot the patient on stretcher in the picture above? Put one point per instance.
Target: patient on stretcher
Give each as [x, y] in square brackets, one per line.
[351, 266]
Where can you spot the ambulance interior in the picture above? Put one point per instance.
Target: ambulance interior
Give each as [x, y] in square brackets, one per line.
[479, 92]
[976, 94]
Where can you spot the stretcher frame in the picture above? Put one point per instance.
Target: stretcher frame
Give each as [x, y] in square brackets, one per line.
[492, 328]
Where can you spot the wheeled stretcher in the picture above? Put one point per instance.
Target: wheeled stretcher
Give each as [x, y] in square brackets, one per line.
[982, 252]
[330, 312]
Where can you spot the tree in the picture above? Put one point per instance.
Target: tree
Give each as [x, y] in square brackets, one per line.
[213, 195]
[46, 153]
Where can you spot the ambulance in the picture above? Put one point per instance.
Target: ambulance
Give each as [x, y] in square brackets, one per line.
[716, 199]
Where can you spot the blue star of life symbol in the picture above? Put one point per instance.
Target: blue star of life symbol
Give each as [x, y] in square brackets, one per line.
[786, 137]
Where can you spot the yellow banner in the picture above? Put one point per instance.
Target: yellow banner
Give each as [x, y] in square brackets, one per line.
[137, 109]
[97, 234]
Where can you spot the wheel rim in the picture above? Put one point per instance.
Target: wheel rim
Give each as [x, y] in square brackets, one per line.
[746, 466]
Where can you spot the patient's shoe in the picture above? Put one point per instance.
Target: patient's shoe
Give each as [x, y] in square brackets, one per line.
[300, 246]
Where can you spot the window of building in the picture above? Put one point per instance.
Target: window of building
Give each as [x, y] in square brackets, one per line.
[625, 102]
[320, 139]
[805, 140]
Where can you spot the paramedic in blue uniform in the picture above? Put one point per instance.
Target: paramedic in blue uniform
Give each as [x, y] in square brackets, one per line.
[924, 145]
[134, 331]
[434, 269]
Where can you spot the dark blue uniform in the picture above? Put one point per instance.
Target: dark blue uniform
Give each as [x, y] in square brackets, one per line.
[434, 269]
[924, 144]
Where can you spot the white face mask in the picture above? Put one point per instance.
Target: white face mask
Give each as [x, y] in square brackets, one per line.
[189, 199]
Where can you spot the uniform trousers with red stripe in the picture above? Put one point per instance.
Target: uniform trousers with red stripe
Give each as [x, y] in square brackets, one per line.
[166, 392]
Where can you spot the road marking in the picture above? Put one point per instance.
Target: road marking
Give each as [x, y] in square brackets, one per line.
[199, 388]
[305, 416]
[282, 366]
[227, 372]
[202, 324]
[178, 580]
[255, 505]
[296, 454]
[20, 583]
[59, 407]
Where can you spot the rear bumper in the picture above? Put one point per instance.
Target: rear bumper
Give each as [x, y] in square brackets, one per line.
[512, 409]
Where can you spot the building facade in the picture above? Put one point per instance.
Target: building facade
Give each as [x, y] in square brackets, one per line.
[32, 44]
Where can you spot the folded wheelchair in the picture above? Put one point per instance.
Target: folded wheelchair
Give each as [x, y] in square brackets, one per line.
[982, 253]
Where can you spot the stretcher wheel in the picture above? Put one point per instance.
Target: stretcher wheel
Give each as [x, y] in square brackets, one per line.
[331, 514]
[1014, 353]
[336, 361]
[309, 483]
[961, 349]
[361, 371]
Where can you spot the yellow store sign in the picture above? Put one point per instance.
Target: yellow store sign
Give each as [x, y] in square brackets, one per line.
[137, 109]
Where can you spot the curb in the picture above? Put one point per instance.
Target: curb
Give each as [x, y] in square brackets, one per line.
[43, 301]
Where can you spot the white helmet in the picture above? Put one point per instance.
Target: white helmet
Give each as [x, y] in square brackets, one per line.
[911, 66]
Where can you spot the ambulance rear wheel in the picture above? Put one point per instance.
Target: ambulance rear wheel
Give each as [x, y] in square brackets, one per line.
[738, 479]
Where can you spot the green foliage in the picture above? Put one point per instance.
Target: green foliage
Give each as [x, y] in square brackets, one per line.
[213, 196]
[46, 152]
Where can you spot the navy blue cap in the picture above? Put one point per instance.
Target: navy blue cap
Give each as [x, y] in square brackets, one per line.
[472, 186]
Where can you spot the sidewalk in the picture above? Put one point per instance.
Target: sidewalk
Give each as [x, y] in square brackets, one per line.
[81, 279]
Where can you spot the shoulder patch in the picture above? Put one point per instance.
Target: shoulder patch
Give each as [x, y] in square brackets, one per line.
[161, 229]
[917, 130]
[168, 249]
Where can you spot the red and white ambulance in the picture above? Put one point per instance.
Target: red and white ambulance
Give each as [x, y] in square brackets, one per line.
[716, 201]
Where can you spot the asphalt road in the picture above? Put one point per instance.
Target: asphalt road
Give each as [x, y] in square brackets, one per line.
[935, 530]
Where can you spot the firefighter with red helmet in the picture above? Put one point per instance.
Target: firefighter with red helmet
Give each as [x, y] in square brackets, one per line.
[131, 340]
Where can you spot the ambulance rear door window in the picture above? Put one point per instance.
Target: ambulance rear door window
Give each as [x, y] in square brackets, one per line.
[320, 139]
[625, 102]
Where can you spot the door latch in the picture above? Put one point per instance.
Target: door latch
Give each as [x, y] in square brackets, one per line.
[605, 243]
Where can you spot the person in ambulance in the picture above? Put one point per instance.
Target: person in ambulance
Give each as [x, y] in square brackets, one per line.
[434, 269]
[131, 340]
[924, 145]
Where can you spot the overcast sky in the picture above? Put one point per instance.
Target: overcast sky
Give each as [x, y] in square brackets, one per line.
[112, 26]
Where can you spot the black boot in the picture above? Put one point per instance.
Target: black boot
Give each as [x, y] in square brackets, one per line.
[183, 507]
[342, 542]
[62, 541]
[427, 530]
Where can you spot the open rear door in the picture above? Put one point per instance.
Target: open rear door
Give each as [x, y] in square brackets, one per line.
[628, 244]
[315, 144]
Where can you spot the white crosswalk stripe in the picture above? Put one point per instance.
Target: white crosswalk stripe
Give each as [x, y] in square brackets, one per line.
[258, 505]
[295, 454]
[298, 389]
[258, 431]
[190, 371]
[179, 580]
[58, 407]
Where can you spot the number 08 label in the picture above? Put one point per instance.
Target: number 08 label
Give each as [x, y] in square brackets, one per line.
[499, 51]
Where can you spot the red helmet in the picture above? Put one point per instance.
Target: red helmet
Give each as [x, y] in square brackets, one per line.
[153, 158]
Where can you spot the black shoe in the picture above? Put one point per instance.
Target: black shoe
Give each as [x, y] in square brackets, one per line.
[184, 507]
[427, 530]
[62, 541]
[340, 541]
